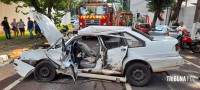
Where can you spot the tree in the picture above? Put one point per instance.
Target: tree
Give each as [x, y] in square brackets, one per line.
[45, 6]
[158, 6]
[177, 9]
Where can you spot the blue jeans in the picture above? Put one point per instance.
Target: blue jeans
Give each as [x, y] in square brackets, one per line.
[31, 32]
[7, 33]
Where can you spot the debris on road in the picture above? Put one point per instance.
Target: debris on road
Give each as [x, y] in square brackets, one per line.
[3, 58]
[15, 53]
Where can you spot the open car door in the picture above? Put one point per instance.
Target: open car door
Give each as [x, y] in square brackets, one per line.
[116, 51]
[66, 62]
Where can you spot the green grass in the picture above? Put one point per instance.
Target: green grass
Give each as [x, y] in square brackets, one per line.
[7, 46]
[2, 36]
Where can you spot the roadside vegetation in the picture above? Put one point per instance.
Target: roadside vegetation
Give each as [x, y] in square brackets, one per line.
[7, 46]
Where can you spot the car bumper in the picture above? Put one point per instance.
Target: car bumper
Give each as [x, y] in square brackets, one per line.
[22, 68]
[165, 64]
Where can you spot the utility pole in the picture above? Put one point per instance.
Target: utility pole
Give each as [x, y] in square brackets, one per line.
[196, 23]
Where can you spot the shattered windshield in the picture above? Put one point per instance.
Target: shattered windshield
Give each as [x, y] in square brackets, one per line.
[93, 10]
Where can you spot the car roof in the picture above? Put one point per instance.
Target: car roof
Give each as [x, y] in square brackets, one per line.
[162, 25]
[102, 30]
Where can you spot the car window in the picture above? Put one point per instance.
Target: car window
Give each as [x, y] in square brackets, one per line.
[132, 41]
[170, 29]
[145, 35]
[155, 30]
[93, 44]
[173, 27]
[157, 27]
[112, 42]
[160, 27]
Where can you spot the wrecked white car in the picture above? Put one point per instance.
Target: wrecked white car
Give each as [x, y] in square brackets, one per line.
[123, 55]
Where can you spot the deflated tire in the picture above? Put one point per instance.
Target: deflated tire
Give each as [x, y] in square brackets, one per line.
[44, 71]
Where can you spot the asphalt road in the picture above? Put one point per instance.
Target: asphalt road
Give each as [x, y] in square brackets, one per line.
[159, 81]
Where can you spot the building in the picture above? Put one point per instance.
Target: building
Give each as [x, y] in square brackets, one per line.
[186, 14]
[9, 11]
[140, 7]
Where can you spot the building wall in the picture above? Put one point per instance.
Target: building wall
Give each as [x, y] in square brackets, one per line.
[9, 11]
[140, 6]
[186, 15]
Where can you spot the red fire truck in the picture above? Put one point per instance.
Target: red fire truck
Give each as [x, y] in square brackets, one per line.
[101, 14]
[95, 13]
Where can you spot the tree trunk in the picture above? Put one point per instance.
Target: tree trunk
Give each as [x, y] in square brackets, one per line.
[50, 5]
[170, 15]
[177, 10]
[153, 23]
[37, 8]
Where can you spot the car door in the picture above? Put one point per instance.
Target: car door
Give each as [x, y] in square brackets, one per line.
[66, 58]
[116, 50]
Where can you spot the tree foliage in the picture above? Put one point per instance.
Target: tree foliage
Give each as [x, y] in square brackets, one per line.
[176, 8]
[157, 7]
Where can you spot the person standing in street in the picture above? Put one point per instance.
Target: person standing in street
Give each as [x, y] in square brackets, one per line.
[21, 27]
[14, 28]
[30, 27]
[6, 28]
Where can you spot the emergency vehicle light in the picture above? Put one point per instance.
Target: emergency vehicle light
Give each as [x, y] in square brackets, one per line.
[93, 16]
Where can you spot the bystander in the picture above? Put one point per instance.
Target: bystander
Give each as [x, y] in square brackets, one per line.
[21, 27]
[14, 28]
[6, 28]
[37, 30]
[30, 27]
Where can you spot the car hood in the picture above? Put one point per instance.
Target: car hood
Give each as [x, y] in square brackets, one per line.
[48, 28]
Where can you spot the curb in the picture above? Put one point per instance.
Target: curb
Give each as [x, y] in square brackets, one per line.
[6, 62]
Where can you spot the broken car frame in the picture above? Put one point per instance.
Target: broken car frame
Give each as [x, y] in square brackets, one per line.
[124, 55]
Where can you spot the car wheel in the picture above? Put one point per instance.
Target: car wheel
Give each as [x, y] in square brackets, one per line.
[196, 49]
[138, 74]
[44, 71]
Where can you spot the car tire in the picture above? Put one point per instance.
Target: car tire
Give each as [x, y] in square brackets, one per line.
[44, 72]
[196, 49]
[138, 74]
